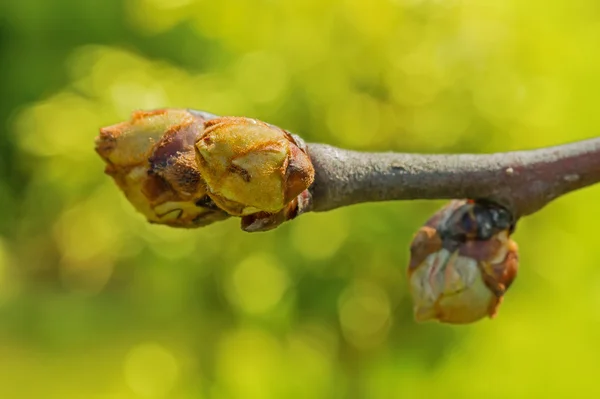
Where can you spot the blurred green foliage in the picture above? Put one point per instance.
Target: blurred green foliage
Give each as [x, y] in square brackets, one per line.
[96, 303]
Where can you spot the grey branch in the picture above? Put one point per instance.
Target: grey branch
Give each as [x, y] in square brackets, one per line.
[522, 181]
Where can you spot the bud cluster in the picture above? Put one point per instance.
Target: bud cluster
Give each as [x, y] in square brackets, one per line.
[187, 169]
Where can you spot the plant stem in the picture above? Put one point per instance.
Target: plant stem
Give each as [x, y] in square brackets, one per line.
[522, 181]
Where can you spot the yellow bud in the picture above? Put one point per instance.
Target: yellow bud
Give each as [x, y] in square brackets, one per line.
[250, 166]
[151, 157]
[132, 142]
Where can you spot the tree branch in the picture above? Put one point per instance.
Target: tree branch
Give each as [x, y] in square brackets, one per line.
[522, 181]
[186, 168]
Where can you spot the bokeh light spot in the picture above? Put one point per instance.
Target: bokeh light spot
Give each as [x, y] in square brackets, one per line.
[311, 351]
[257, 283]
[87, 253]
[365, 314]
[151, 371]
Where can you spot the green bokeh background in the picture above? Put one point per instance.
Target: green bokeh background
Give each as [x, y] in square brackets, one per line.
[95, 303]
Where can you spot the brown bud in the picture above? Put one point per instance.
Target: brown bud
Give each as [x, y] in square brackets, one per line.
[263, 221]
[462, 262]
[252, 167]
[152, 159]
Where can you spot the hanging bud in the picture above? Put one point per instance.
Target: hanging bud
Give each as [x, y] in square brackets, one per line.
[152, 159]
[462, 262]
[251, 167]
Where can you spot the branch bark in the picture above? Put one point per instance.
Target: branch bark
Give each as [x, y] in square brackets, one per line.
[522, 181]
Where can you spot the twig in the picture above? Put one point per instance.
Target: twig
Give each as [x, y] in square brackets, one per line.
[522, 181]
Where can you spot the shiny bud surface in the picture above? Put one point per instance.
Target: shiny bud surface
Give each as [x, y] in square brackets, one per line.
[250, 166]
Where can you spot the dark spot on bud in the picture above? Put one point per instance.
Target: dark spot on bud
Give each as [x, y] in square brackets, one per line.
[206, 218]
[502, 219]
[293, 210]
[483, 223]
[451, 245]
[244, 174]
[476, 220]
[207, 202]
[155, 186]
[298, 173]
[262, 221]
[178, 139]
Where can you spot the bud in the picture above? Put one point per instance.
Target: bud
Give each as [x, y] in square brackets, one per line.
[251, 167]
[152, 159]
[462, 262]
